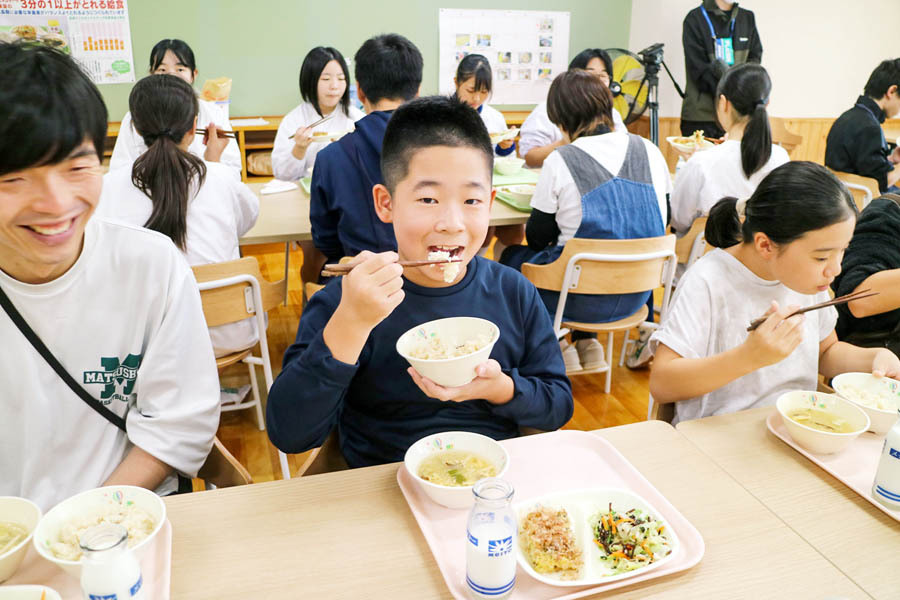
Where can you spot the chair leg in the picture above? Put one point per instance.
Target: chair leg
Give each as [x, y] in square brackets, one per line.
[285, 469]
[625, 343]
[260, 421]
[609, 354]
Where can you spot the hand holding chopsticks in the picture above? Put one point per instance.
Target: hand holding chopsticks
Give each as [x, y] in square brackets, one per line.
[839, 300]
[311, 125]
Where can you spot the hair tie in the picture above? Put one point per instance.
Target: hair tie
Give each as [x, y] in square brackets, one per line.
[761, 104]
[741, 207]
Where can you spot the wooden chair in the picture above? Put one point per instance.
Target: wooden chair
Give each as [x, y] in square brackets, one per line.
[783, 136]
[692, 246]
[607, 267]
[864, 189]
[324, 459]
[222, 469]
[233, 291]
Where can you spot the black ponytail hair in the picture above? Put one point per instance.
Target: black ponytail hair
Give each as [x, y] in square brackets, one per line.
[477, 66]
[795, 198]
[747, 87]
[163, 110]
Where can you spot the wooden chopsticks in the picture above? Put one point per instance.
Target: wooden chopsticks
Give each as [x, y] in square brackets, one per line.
[311, 125]
[219, 132]
[336, 270]
[839, 300]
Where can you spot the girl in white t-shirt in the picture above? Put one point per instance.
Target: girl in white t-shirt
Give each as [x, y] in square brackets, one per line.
[175, 57]
[736, 166]
[540, 136]
[203, 207]
[473, 83]
[782, 256]
[325, 90]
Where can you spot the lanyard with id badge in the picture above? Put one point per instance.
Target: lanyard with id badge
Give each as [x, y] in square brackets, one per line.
[724, 46]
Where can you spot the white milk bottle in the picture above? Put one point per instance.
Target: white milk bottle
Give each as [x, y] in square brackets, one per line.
[491, 541]
[109, 570]
[886, 488]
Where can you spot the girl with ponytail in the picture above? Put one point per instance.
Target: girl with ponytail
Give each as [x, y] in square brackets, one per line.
[736, 166]
[201, 206]
[777, 251]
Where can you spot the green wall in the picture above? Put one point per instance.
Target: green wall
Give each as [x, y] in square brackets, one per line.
[261, 44]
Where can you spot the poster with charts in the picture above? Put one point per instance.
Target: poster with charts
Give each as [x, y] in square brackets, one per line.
[526, 49]
[96, 33]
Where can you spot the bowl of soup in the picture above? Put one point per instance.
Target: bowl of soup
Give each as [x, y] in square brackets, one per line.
[19, 518]
[879, 397]
[446, 465]
[821, 423]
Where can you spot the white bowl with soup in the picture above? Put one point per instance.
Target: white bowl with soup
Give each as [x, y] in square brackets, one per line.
[821, 423]
[447, 351]
[140, 511]
[879, 397]
[19, 518]
[447, 465]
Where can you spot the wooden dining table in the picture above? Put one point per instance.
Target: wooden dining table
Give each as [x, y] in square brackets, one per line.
[351, 534]
[284, 217]
[854, 536]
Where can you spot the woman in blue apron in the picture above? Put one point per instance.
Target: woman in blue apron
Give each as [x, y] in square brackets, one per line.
[604, 185]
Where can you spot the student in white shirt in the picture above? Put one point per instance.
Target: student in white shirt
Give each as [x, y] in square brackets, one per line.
[473, 84]
[117, 306]
[175, 57]
[203, 207]
[782, 256]
[539, 136]
[736, 166]
[604, 185]
[325, 90]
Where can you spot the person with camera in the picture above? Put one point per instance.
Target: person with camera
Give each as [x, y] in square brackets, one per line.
[716, 35]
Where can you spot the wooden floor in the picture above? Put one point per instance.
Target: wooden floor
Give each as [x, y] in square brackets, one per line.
[239, 432]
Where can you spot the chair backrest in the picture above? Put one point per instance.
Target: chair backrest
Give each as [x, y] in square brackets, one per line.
[782, 136]
[692, 245]
[607, 267]
[660, 412]
[864, 189]
[227, 290]
[222, 469]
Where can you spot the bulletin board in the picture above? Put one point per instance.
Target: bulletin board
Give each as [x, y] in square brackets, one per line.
[95, 33]
[526, 49]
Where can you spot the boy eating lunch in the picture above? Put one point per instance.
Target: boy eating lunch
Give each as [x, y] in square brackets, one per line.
[343, 369]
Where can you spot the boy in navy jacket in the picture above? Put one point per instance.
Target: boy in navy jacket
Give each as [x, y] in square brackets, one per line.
[343, 369]
[388, 70]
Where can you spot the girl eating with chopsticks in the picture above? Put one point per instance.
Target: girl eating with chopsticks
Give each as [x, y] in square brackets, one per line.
[325, 90]
[202, 206]
[175, 57]
[777, 252]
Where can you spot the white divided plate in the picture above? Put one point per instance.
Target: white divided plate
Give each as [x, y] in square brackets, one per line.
[581, 505]
[509, 134]
[329, 137]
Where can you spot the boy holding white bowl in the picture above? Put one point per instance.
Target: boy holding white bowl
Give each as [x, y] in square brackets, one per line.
[344, 370]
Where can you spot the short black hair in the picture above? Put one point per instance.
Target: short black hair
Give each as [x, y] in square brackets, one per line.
[179, 48]
[427, 122]
[311, 70]
[48, 108]
[883, 77]
[582, 59]
[388, 66]
[477, 66]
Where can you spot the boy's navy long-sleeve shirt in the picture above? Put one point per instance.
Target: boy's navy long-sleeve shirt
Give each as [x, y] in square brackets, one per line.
[341, 209]
[856, 143]
[378, 408]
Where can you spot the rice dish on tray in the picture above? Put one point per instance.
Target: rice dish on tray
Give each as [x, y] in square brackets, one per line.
[883, 399]
[136, 520]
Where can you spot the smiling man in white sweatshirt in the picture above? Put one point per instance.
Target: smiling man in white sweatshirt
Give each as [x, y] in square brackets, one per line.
[117, 306]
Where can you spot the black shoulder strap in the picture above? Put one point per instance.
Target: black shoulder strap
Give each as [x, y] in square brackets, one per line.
[32, 337]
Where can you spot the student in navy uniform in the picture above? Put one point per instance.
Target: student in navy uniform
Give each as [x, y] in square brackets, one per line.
[856, 141]
[344, 370]
[388, 70]
[716, 35]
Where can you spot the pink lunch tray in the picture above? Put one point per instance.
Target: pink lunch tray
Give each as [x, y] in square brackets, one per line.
[855, 466]
[553, 462]
[156, 569]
